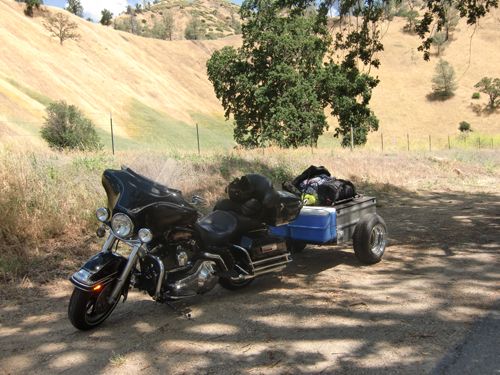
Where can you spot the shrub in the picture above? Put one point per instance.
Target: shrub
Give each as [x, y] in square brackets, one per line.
[411, 21]
[31, 5]
[464, 127]
[439, 41]
[194, 29]
[444, 83]
[491, 87]
[75, 7]
[106, 17]
[476, 95]
[66, 127]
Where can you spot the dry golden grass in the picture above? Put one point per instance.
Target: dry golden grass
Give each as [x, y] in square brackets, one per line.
[48, 199]
[107, 70]
[51, 193]
[101, 73]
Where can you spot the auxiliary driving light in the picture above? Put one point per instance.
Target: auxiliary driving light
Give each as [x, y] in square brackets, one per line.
[145, 235]
[102, 214]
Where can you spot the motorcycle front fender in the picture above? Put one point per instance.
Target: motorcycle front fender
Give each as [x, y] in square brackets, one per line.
[101, 269]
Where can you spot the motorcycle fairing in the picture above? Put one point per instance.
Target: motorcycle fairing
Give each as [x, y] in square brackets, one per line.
[148, 203]
[101, 269]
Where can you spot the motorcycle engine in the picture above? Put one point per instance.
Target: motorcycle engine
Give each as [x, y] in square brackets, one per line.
[150, 272]
[185, 275]
[200, 279]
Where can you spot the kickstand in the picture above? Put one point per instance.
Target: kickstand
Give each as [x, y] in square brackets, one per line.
[184, 312]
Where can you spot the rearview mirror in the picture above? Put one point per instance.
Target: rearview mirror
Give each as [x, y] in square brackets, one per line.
[196, 199]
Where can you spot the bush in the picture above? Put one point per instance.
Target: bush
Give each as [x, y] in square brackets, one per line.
[106, 17]
[31, 5]
[194, 29]
[444, 83]
[66, 127]
[464, 127]
[476, 95]
[491, 87]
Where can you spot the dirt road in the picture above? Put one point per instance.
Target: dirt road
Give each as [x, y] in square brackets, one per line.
[325, 314]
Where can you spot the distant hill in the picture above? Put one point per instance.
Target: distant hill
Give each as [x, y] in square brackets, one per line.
[216, 18]
[158, 90]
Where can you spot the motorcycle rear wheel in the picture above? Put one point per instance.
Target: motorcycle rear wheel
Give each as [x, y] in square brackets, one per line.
[230, 284]
[87, 310]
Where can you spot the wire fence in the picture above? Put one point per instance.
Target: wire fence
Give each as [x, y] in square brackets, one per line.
[203, 137]
[386, 142]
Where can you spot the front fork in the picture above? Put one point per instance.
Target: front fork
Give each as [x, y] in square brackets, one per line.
[124, 275]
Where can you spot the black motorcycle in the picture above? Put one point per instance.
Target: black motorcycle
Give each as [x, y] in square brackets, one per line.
[174, 252]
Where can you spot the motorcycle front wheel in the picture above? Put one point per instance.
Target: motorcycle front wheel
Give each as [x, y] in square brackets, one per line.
[87, 310]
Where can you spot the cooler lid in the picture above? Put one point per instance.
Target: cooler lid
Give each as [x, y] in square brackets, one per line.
[317, 211]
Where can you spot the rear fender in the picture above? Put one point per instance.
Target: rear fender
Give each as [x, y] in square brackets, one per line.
[101, 269]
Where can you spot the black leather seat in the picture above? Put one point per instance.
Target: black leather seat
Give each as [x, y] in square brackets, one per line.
[217, 228]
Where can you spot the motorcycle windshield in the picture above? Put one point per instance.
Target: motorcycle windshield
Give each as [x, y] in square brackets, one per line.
[148, 203]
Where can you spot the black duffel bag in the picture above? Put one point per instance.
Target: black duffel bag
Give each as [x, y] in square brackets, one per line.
[335, 191]
[310, 172]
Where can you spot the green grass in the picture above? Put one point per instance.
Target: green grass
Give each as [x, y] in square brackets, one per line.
[40, 98]
[158, 130]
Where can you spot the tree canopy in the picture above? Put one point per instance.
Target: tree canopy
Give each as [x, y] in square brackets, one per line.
[277, 85]
[443, 82]
[106, 17]
[75, 7]
[31, 5]
[491, 87]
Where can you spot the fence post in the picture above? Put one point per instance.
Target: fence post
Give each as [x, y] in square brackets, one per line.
[198, 138]
[449, 143]
[382, 140]
[112, 135]
[430, 144]
[311, 138]
[352, 139]
[491, 142]
[479, 142]
[408, 141]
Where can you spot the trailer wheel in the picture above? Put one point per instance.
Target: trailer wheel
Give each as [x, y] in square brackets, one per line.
[370, 239]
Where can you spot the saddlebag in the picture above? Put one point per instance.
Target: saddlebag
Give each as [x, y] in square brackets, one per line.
[263, 246]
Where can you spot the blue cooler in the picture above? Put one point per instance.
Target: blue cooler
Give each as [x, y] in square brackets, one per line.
[313, 225]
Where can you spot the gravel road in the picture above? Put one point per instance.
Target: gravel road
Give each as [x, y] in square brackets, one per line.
[325, 314]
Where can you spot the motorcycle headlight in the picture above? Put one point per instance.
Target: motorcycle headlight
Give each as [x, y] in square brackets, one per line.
[145, 235]
[102, 214]
[122, 225]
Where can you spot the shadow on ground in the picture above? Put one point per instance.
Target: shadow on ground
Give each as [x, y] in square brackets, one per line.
[326, 313]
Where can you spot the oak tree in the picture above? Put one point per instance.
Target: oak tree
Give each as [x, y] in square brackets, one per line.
[444, 82]
[75, 7]
[491, 87]
[31, 5]
[60, 26]
[296, 61]
[106, 17]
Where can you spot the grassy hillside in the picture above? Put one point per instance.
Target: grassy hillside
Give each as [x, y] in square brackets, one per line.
[401, 99]
[157, 90]
[105, 71]
[218, 18]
